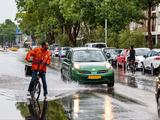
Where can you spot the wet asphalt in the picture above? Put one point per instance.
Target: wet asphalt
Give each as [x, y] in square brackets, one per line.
[132, 97]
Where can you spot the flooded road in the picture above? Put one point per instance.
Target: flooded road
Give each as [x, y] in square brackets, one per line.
[131, 99]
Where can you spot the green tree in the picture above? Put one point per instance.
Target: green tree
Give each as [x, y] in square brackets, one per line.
[63, 39]
[113, 40]
[128, 38]
[42, 17]
[96, 34]
[36, 19]
[48, 19]
[119, 13]
[7, 32]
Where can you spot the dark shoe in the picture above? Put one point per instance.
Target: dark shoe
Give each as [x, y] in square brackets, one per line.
[45, 97]
[32, 94]
[28, 93]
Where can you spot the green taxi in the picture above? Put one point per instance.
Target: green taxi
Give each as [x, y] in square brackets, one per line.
[87, 65]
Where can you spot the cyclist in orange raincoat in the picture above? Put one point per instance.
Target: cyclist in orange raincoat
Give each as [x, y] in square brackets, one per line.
[41, 57]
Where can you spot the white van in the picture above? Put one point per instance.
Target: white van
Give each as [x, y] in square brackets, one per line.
[96, 45]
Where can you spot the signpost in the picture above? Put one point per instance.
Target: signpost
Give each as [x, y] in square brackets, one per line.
[18, 36]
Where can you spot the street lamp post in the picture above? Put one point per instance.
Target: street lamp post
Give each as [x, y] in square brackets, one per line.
[106, 31]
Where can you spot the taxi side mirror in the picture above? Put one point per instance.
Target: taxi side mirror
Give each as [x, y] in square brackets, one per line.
[66, 60]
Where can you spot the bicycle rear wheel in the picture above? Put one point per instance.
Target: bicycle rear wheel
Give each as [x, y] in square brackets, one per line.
[37, 90]
[133, 69]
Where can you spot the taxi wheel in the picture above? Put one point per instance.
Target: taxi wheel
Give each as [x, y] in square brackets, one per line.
[143, 69]
[152, 70]
[111, 84]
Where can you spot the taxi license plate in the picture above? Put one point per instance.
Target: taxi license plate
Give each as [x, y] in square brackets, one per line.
[94, 77]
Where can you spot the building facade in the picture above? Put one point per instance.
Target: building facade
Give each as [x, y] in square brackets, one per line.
[155, 25]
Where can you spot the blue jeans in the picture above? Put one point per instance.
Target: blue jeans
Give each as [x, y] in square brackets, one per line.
[34, 77]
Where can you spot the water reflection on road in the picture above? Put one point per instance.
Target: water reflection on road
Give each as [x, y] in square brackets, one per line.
[95, 104]
[144, 82]
[88, 106]
[103, 104]
[44, 110]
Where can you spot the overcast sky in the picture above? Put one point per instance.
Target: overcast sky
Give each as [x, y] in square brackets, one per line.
[8, 10]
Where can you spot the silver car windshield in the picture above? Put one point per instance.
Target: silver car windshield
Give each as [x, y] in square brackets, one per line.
[141, 52]
[88, 56]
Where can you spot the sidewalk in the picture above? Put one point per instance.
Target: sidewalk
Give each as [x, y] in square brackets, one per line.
[2, 50]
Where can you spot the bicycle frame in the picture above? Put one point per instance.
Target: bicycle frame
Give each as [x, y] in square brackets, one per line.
[37, 86]
[132, 66]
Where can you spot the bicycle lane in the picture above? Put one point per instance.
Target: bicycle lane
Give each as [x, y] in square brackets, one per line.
[9, 111]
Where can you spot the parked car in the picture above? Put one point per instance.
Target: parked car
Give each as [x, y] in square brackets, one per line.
[157, 94]
[56, 51]
[87, 65]
[140, 53]
[96, 45]
[54, 45]
[122, 58]
[54, 48]
[63, 51]
[151, 61]
[112, 54]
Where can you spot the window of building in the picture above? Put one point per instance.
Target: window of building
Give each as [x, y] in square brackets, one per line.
[154, 8]
[154, 22]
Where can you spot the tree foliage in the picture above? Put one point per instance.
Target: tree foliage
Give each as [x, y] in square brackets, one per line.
[120, 13]
[7, 33]
[113, 40]
[49, 19]
[128, 38]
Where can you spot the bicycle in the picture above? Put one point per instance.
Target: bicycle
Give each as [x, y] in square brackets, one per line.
[36, 88]
[132, 67]
[37, 85]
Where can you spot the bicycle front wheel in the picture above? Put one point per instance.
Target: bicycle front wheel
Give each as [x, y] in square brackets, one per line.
[37, 90]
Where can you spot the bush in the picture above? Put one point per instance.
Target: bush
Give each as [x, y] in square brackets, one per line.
[63, 40]
[91, 35]
[157, 45]
[113, 40]
[13, 49]
[128, 38]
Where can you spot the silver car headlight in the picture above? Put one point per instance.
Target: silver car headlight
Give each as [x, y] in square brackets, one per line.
[108, 66]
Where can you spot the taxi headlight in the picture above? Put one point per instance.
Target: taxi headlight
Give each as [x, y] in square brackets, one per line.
[77, 66]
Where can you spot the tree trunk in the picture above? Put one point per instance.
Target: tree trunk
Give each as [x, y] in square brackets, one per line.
[72, 31]
[50, 37]
[150, 42]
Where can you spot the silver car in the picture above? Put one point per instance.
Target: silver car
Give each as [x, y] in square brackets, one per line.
[152, 61]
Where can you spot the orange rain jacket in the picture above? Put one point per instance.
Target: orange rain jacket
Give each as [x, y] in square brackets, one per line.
[40, 58]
